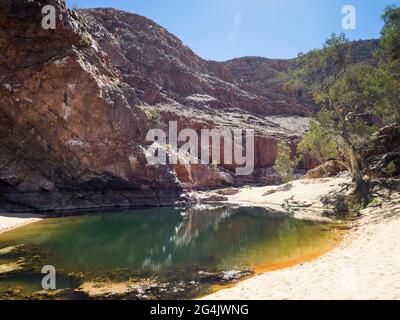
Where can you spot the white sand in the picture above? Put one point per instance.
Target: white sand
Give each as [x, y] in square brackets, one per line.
[303, 197]
[12, 221]
[366, 265]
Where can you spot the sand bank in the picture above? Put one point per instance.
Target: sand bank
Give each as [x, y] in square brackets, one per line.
[366, 265]
[10, 221]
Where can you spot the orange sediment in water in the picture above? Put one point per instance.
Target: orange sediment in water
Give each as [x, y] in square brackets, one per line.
[320, 250]
[165, 246]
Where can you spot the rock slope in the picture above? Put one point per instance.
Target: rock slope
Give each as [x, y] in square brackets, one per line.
[76, 104]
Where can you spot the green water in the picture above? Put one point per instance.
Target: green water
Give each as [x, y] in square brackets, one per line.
[165, 244]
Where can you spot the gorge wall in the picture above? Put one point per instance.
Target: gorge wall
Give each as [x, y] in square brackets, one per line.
[76, 104]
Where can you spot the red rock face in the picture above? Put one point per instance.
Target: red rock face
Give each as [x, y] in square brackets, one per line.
[75, 103]
[144, 50]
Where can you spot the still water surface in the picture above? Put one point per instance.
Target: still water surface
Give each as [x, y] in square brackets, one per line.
[165, 244]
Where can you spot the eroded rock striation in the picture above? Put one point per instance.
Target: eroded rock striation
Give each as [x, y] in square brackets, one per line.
[76, 104]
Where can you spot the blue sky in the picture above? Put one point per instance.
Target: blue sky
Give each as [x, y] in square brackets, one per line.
[224, 29]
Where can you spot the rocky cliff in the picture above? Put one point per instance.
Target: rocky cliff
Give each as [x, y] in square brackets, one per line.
[76, 104]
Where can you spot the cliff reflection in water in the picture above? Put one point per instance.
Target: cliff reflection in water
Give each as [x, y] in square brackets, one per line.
[162, 241]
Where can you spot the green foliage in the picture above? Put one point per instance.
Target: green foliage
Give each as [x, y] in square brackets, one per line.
[85, 39]
[319, 68]
[390, 169]
[318, 144]
[154, 119]
[301, 161]
[390, 41]
[127, 39]
[354, 207]
[284, 164]
[353, 96]
[390, 56]
[368, 91]
[365, 51]
[374, 202]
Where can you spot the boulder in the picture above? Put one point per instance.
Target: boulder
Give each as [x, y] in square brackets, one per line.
[383, 165]
[330, 168]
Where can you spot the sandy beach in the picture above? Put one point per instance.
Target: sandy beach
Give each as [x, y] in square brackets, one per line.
[10, 221]
[366, 265]
[301, 198]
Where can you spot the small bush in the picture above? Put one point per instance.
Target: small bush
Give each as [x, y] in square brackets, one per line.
[284, 164]
[85, 39]
[154, 119]
[127, 39]
[374, 202]
[301, 162]
[390, 169]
